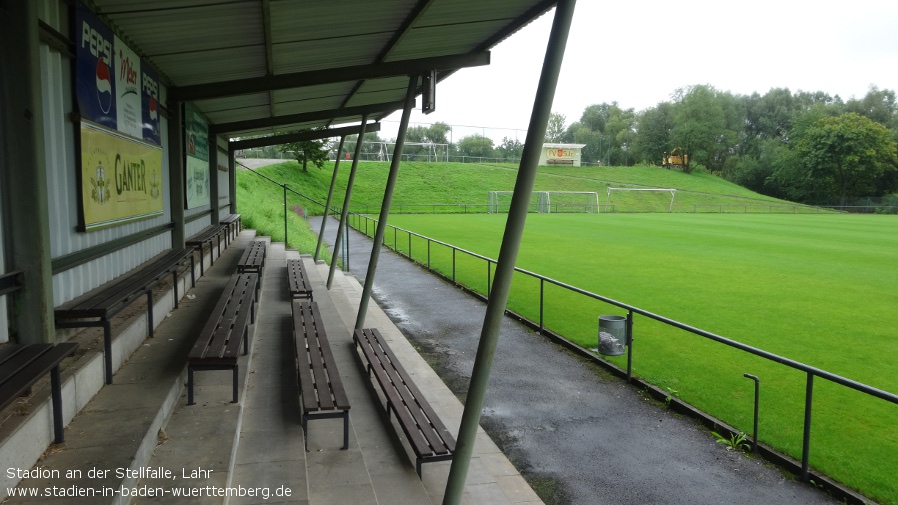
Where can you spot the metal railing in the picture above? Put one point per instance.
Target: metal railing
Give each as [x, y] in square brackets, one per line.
[366, 225]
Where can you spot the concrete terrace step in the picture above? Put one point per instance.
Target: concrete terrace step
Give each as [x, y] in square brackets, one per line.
[110, 442]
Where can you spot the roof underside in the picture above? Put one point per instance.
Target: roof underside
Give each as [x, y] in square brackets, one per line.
[257, 67]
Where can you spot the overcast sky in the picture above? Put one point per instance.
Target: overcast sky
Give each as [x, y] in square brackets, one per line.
[638, 53]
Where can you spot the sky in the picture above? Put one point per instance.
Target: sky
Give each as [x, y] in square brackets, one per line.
[637, 53]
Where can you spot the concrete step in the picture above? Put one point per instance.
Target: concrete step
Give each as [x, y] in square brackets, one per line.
[110, 442]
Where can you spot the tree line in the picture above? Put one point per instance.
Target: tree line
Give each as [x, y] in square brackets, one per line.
[808, 147]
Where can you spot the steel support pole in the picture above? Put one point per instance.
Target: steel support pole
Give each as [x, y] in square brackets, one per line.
[232, 180]
[508, 252]
[345, 211]
[23, 170]
[175, 122]
[213, 179]
[327, 204]
[388, 198]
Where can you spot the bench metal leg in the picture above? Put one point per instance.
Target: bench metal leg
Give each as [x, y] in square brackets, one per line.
[150, 312]
[305, 430]
[56, 393]
[345, 430]
[174, 276]
[189, 385]
[234, 373]
[192, 271]
[418, 467]
[107, 350]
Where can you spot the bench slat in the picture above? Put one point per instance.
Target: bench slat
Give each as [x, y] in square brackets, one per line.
[300, 287]
[30, 365]
[381, 369]
[220, 339]
[118, 293]
[314, 366]
[440, 438]
[336, 383]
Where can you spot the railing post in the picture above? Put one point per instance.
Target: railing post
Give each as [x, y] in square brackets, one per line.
[754, 436]
[453, 266]
[285, 215]
[629, 345]
[542, 284]
[806, 439]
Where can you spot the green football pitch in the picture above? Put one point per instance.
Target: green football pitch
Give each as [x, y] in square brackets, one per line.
[818, 289]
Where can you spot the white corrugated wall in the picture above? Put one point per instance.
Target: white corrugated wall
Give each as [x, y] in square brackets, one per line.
[62, 167]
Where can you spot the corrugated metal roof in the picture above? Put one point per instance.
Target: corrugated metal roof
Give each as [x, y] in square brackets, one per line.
[211, 45]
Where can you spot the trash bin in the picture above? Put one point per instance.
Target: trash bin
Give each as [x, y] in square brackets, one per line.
[612, 335]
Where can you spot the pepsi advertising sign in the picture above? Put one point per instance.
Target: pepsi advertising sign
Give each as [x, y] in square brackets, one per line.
[94, 69]
[114, 87]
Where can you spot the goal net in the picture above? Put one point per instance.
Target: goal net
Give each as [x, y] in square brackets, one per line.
[547, 202]
[640, 200]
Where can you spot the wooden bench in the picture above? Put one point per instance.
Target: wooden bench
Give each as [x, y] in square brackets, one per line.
[253, 258]
[23, 365]
[233, 225]
[427, 435]
[218, 344]
[206, 235]
[298, 280]
[322, 391]
[101, 304]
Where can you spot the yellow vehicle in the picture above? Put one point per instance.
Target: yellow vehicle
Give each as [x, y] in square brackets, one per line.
[675, 160]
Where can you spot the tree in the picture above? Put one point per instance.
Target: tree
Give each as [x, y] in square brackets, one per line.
[653, 137]
[706, 125]
[308, 151]
[510, 149]
[847, 155]
[555, 127]
[476, 146]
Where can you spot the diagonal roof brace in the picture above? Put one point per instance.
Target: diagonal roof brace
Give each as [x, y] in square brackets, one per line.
[305, 117]
[327, 76]
[275, 140]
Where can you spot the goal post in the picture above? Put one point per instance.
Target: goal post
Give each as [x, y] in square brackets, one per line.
[547, 202]
[642, 200]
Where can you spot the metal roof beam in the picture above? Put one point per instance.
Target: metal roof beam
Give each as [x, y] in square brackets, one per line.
[327, 76]
[275, 140]
[305, 117]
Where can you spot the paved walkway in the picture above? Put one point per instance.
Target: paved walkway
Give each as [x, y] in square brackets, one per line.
[579, 435]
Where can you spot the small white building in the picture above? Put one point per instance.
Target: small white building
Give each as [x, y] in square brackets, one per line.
[560, 154]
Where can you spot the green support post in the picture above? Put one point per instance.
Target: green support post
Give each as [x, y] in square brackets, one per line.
[345, 212]
[385, 205]
[327, 204]
[511, 241]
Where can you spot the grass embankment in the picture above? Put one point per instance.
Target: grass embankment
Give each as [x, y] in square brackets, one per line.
[261, 207]
[460, 187]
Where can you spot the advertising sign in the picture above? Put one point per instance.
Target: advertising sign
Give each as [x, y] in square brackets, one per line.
[129, 114]
[559, 154]
[149, 83]
[197, 143]
[113, 86]
[121, 178]
[94, 69]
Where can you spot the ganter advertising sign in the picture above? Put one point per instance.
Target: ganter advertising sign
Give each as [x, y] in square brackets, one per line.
[117, 95]
[197, 143]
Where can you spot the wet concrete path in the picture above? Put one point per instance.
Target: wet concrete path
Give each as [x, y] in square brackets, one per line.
[580, 436]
